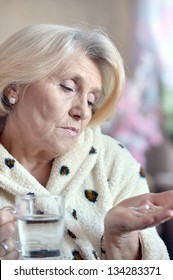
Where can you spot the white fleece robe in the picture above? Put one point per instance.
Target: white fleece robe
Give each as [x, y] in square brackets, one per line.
[95, 175]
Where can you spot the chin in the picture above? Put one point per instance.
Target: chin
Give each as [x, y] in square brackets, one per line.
[64, 149]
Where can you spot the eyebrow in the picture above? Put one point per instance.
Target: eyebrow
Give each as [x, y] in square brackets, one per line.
[77, 77]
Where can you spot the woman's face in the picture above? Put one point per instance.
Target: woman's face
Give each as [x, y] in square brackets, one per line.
[55, 110]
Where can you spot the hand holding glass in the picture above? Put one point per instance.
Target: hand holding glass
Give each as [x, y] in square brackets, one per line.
[40, 225]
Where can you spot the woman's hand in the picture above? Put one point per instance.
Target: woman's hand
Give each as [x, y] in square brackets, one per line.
[123, 222]
[7, 229]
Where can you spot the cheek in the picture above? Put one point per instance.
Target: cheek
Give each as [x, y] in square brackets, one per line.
[85, 123]
[53, 111]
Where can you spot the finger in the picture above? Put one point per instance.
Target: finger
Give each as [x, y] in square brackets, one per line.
[9, 208]
[162, 198]
[6, 231]
[6, 246]
[120, 220]
[6, 216]
[14, 255]
[157, 199]
[137, 201]
[143, 219]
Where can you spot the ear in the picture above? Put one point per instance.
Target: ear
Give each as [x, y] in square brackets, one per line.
[13, 86]
[12, 92]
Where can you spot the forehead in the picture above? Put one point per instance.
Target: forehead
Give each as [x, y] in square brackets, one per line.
[83, 69]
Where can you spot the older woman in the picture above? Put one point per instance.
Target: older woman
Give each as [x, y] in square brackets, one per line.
[57, 85]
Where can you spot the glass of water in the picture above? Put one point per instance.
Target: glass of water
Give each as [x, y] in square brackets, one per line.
[40, 221]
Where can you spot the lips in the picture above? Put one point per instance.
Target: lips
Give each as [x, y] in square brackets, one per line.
[71, 131]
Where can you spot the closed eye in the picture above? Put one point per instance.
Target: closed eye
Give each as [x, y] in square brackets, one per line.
[90, 103]
[66, 88]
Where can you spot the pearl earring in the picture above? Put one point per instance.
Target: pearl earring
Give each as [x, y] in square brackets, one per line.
[12, 100]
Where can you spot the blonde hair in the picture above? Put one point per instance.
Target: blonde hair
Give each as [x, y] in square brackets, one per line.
[40, 50]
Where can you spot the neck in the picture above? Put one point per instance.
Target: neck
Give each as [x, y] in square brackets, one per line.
[36, 161]
[41, 172]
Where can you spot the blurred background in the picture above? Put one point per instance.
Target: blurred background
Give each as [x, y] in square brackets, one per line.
[143, 33]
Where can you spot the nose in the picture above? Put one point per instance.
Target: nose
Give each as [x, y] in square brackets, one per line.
[80, 111]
